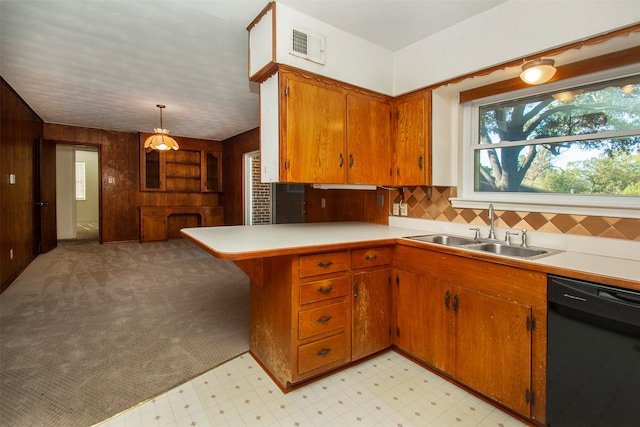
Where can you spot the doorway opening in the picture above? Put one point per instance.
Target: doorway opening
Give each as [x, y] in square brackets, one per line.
[77, 193]
[267, 203]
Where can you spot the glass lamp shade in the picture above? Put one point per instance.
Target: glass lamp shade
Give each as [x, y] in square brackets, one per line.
[161, 141]
[537, 72]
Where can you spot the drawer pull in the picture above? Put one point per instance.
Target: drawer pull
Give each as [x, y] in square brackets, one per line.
[325, 264]
[371, 258]
[323, 319]
[324, 352]
[325, 290]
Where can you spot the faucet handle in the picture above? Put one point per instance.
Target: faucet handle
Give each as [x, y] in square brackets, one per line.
[477, 230]
[507, 237]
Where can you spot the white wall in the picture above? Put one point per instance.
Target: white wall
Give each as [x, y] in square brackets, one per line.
[506, 32]
[349, 58]
[65, 192]
[87, 210]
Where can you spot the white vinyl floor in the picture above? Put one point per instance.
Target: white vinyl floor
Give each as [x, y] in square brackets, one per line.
[388, 390]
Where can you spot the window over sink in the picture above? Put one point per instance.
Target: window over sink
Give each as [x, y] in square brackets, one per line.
[573, 144]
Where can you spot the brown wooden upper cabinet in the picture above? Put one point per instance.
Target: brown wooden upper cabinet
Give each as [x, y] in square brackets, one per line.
[412, 163]
[184, 171]
[313, 131]
[316, 130]
[369, 139]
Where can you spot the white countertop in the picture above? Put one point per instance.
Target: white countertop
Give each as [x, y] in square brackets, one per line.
[244, 242]
[240, 239]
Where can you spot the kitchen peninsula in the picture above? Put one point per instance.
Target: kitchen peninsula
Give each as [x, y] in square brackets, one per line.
[324, 295]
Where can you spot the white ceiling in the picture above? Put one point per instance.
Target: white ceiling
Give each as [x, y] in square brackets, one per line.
[106, 64]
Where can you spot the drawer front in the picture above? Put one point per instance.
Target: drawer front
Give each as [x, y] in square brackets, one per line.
[322, 352]
[331, 262]
[322, 319]
[323, 289]
[362, 258]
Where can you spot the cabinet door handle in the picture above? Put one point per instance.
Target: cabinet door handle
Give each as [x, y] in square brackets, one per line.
[420, 162]
[323, 319]
[455, 304]
[341, 160]
[350, 160]
[325, 290]
[447, 296]
[371, 258]
[324, 352]
[356, 290]
[325, 264]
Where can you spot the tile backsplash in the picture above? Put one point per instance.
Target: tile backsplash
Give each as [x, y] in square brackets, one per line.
[436, 206]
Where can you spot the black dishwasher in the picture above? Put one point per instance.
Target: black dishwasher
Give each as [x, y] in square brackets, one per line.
[593, 363]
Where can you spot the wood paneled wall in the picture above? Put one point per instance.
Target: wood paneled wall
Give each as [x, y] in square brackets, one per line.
[20, 129]
[119, 161]
[233, 150]
[346, 205]
[120, 177]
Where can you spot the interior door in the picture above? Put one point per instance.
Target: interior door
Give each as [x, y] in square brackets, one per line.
[46, 203]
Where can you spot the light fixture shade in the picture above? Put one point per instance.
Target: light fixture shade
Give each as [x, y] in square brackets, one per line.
[537, 72]
[161, 141]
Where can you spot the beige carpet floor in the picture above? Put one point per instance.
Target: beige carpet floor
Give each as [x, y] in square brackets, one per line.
[90, 330]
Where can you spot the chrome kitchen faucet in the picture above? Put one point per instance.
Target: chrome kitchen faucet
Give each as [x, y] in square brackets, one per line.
[492, 217]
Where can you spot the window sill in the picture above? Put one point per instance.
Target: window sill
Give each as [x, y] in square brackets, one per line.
[626, 210]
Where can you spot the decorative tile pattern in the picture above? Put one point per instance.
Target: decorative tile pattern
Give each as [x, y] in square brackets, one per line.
[388, 390]
[433, 203]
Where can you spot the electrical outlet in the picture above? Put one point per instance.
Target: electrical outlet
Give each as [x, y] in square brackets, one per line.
[396, 209]
[10, 253]
[403, 209]
[323, 202]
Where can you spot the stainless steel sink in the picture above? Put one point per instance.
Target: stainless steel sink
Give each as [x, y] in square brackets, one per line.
[485, 245]
[444, 239]
[507, 250]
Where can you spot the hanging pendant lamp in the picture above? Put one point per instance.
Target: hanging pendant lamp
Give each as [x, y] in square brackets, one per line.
[161, 139]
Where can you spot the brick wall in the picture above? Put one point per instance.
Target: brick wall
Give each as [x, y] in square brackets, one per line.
[261, 197]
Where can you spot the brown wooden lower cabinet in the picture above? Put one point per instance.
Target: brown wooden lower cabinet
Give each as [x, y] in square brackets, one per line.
[481, 323]
[314, 313]
[154, 220]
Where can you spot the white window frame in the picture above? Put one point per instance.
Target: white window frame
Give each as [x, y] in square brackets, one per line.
[81, 180]
[616, 206]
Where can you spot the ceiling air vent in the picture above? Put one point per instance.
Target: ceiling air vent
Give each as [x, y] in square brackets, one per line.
[308, 46]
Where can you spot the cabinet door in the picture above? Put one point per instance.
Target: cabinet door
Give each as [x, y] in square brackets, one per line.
[211, 172]
[368, 140]
[315, 132]
[371, 313]
[493, 347]
[152, 170]
[424, 321]
[153, 228]
[413, 160]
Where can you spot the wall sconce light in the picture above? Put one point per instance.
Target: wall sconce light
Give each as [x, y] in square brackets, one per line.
[161, 139]
[537, 72]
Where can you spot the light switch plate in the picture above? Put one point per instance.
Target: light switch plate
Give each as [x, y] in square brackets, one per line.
[12, 178]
